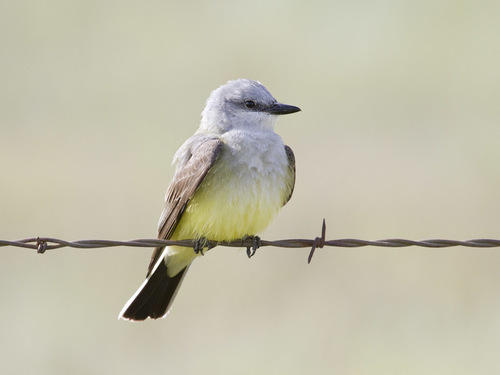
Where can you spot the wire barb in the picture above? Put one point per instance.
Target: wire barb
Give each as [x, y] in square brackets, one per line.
[318, 242]
[41, 245]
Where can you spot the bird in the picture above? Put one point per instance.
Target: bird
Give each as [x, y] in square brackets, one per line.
[231, 179]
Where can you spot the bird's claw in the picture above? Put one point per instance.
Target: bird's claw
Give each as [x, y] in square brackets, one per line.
[199, 245]
[256, 244]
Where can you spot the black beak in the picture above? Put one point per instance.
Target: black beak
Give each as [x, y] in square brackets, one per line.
[282, 109]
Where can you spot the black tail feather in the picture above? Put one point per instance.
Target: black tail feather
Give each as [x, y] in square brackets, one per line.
[155, 296]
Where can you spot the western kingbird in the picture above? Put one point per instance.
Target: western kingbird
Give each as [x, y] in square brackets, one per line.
[232, 177]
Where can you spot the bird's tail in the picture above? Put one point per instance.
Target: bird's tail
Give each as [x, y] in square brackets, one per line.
[155, 296]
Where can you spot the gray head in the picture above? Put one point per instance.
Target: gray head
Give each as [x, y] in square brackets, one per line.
[242, 103]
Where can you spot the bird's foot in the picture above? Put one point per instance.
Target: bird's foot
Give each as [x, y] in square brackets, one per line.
[256, 244]
[200, 244]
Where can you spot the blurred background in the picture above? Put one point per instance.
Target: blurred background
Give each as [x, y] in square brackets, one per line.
[398, 137]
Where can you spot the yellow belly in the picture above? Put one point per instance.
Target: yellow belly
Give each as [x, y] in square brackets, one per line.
[228, 212]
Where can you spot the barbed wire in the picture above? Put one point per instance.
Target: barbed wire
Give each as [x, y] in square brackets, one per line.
[42, 244]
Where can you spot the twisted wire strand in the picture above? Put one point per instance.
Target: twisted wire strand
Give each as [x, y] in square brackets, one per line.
[41, 244]
[53, 243]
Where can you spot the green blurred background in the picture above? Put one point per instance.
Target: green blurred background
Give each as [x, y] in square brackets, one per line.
[398, 137]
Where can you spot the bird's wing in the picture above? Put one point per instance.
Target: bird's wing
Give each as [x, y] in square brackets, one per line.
[188, 177]
[291, 170]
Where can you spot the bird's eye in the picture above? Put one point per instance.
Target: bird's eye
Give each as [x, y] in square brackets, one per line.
[249, 104]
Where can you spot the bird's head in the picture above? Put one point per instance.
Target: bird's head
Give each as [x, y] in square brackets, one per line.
[242, 104]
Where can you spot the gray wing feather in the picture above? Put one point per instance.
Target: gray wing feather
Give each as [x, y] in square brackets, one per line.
[291, 169]
[188, 177]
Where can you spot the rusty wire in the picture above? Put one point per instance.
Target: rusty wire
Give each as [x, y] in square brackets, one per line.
[41, 244]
